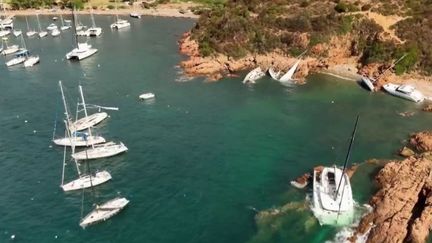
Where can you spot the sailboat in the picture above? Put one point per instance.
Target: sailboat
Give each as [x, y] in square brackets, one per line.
[4, 32]
[287, 77]
[119, 23]
[93, 31]
[104, 211]
[254, 75]
[63, 26]
[134, 14]
[31, 60]
[273, 74]
[41, 33]
[83, 181]
[20, 56]
[100, 150]
[78, 25]
[76, 139]
[6, 23]
[52, 26]
[17, 33]
[29, 32]
[7, 50]
[332, 196]
[55, 32]
[82, 50]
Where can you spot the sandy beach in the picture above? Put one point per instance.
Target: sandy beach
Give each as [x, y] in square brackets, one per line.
[164, 10]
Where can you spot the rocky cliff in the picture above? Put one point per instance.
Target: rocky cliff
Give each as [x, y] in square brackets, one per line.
[403, 205]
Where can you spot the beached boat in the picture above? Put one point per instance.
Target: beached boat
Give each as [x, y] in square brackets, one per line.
[368, 82]
[135, 15]
[332, 195]
[273, 74]
[288, 76]
[147, 96]
[404, 91]
[104, 211]
[254, 75]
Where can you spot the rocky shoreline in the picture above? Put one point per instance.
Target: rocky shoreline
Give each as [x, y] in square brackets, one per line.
[402, 207]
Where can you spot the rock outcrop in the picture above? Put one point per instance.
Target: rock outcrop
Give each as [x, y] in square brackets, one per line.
[403, 205]
[422, 141]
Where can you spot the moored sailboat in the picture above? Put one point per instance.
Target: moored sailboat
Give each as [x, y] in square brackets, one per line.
[81, 50]
[119, 23]
[41, 33]
[104, 211]
[30, 32]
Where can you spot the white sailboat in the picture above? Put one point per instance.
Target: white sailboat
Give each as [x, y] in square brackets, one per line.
[82, 50]
[63, 26]
[134, 14]
[88, 121]
[287, 77]
[20, 56]
[76, 139]
[17, 33]
[52, 26]
[101, 150]
[93, 31]
[273, 74]
[254, 75]
[31, 60]
[78, 25]
[119, 23]
[4, 32]
[404, 91]
[7, 50]
[41, 33]
[55, 32]
[6, 23]
[104, 211]
[29, 32]
[332, 195]
[368, 82]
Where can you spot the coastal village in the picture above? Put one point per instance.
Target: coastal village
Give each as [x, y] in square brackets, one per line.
[358, 41]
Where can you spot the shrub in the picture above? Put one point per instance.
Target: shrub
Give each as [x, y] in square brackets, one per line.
[110, 7]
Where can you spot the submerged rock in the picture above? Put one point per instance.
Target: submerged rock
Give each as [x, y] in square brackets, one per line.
[403, 204]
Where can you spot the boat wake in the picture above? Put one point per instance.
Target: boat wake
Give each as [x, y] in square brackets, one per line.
[346, 232]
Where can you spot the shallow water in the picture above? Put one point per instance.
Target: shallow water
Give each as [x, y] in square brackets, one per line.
[200, 156]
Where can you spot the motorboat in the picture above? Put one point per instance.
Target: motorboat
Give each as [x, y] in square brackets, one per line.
[147, 96]
[85, 181]
[101, 151]
[19, 58]
[83, 50]
[104, 211]
[404, 91]
[254, 75]
[135, 15]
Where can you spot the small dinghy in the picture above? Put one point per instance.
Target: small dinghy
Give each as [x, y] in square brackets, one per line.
[147, 96]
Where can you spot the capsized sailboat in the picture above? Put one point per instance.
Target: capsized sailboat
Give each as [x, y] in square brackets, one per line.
[332, 195]
[288, 76]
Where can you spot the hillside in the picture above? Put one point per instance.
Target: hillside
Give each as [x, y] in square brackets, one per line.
[366, 31]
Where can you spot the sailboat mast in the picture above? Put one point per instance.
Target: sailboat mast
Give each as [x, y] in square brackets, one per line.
[64, 162]
[65, 105]
[117, 18]
[348, 153]
[61, 19]
[85, 109]
[40, 29]
[74, 26]
[28, 26]
[92, 19]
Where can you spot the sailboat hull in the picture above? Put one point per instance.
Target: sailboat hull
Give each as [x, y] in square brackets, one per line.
[79, 141]
[105, 211]
[87, 182]
[31, 61]
[80, 55]
[101, 151]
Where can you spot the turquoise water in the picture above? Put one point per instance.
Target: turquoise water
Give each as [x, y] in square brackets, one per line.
[201, 156]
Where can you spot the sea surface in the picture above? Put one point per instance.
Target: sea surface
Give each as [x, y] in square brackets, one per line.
[204, 157]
